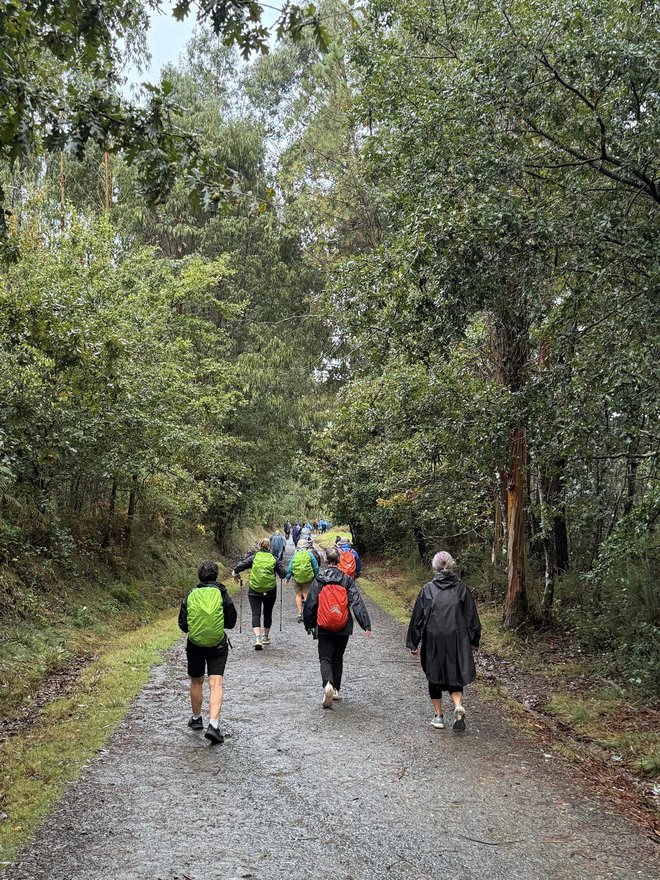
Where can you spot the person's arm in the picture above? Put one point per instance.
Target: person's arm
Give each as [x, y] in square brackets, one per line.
[289, 571]
[472, 618]
[311, 606]
[358, 607]
[228, 608]
[315, 562]
[358, 564]
[279, 568]
[245, 563]
[183, 615]
[414, 636]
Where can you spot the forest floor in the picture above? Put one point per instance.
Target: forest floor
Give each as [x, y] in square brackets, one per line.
[364, 790]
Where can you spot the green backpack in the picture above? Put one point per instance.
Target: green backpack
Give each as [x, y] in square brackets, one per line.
[302, 569]
[206, 616]
[262, 577]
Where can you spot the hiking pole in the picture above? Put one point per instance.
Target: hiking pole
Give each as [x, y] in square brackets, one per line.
[240, 605]
[281, 600]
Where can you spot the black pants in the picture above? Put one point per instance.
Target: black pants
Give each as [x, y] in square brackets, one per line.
[435, 690]
[267, 600]
[331, 655]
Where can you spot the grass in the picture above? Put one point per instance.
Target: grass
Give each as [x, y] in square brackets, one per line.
[40, 762]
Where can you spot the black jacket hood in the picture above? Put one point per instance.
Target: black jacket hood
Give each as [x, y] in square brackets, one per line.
[331, 575]
[444, 580]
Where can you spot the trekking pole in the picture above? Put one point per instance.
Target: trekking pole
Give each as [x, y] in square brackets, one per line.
[281, 600]
[240, 605]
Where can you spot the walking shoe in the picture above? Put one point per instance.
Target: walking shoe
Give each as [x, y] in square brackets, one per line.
[213, 735]
[328, 693]
[258, 645]
[300, 618]
[336, 695]
[459, 715]
[438, 722]
[265, 640]
[195, 723]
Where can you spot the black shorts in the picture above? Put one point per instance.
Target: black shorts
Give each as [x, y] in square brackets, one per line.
[435, 690]
[199, 659]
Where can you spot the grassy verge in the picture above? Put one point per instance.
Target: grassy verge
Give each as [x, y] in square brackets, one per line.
[38, 763]
[542, 669]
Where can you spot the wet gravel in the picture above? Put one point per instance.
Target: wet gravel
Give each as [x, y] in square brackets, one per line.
[366, 790]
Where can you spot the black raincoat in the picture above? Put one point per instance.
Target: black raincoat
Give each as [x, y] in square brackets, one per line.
[446, 623]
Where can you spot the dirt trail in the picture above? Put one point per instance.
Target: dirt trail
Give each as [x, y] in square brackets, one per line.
[366, 790]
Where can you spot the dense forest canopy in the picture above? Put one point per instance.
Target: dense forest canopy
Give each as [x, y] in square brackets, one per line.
[403, 265]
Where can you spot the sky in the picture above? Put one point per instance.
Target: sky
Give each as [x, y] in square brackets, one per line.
[166, 41]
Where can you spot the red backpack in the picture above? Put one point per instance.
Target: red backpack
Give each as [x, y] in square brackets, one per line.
[347, 563]
[333, 607]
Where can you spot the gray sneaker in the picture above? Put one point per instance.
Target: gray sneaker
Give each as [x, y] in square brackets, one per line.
[459, 715]
[258, 645]
[265, 640]
[438, 722]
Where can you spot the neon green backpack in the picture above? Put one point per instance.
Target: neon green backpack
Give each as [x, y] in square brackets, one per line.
[262, 577]
[206, 617]
[302, 569]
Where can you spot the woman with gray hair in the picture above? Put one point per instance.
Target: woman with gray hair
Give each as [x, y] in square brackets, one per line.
[446, 624]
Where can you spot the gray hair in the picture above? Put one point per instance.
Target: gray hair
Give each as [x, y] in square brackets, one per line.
[332, 555]
[443, 561]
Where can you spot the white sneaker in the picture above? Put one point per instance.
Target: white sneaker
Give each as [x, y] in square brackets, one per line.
[328, 694]
[265, 640]
[459, 715]
[258, 645]
[336, 695]
[438, 722]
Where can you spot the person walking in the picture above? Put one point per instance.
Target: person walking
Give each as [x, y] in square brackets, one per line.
[295, 533]
[349, 561]
[446, 623]
[205, 613]
[303, 568]
[327, 612]
[278, 545]
[287, 529]
[262, 590]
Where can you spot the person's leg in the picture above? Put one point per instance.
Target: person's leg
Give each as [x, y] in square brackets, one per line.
[269, 603]
[326, 652]
[299, 599]
[459, 711]
[196, 685]
[255, 607]
[338, 660]
[215, 686]
[435, 693]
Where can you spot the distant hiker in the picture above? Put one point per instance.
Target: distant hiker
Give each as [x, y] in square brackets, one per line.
[262, 592]
[295, 533]
[323, 526]
[303, 568]
[315, 526]
[307, 527]
[287, 529]
[327, 611]
[278, 545]
[446, 623]
[349, 561]
[205, 613]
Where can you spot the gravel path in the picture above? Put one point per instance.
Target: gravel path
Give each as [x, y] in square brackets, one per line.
[366, 790]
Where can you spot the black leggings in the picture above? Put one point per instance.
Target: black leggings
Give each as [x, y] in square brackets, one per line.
[331, 655]
[268, 601]
[435, 690]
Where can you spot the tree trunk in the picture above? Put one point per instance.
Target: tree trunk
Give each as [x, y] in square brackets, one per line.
[107, 532]
[548, 547]
[421, 543]
[132, 507]
[515, 607]
[498, 533]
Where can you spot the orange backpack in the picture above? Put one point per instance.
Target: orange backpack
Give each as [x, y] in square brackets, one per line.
[347, 563]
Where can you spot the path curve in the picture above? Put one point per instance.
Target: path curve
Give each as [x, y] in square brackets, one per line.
[366, 790]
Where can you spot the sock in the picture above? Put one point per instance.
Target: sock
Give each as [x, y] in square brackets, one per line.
[196, 717]
[214, 722]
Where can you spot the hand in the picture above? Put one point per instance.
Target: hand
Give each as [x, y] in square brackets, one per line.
[367, 633]
[414, 652]
[288, 582]
[235, 576]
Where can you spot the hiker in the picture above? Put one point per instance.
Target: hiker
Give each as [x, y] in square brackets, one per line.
[262, 591]
[303, 568]
[278, 545]
[295, 533]
[327, 613]
[349, 561]
[205, 613]
[287, 529]
[446, 623]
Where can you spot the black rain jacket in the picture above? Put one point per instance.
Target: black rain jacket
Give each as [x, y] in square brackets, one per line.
[333, 575]
[446, 623]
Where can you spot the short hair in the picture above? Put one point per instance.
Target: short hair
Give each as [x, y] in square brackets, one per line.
[443, 561]
[332, 555]
[264, 545]
[207, 572]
